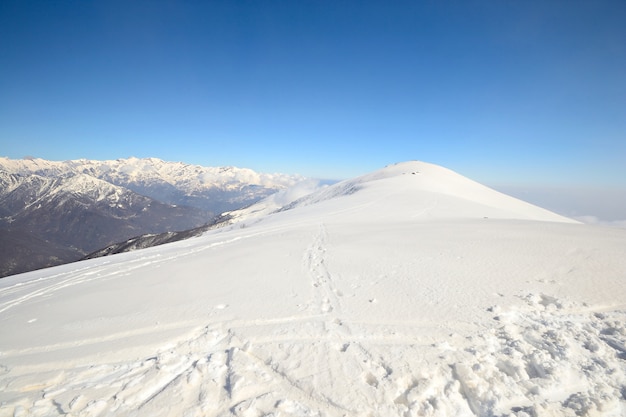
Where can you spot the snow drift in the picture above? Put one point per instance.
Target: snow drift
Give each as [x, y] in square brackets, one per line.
[408, 291]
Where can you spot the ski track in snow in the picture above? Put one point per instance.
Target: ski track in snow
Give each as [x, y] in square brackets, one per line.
[91, 273]
[549, 357]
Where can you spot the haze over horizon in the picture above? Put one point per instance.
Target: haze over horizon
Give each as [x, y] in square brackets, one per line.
[521, 96]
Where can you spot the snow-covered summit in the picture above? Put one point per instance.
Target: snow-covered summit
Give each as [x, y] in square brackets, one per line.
[419, 190]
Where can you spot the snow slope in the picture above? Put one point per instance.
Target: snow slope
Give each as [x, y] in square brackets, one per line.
[409, 291]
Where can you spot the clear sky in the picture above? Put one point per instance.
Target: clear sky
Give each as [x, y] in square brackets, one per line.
[504, 92]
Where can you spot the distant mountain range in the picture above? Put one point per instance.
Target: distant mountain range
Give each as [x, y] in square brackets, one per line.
[56, 212]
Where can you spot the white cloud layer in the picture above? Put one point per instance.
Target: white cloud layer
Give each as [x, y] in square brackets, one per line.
[595, 220]
[605, 206]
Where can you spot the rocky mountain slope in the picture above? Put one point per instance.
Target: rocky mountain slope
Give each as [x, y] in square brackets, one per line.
[64, 210]
[216, 189]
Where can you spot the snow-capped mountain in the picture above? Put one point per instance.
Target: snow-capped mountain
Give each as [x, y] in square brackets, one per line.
[73, 208]
[78, 213]
[216, 189]
[79, 210]
[410, 291]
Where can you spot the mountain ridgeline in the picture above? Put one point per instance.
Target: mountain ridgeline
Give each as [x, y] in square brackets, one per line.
[57, 212]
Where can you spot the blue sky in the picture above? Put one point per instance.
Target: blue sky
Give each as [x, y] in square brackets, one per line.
[504, 92]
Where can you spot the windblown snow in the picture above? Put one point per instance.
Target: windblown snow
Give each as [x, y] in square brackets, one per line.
[411, 291]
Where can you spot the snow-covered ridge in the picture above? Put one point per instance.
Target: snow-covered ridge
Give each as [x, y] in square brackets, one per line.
[40, 189]
[389, 295]
[422, 190]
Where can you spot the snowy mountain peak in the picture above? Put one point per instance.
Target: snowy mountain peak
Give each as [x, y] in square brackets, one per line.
[419, 190]
[89, 186]
[151, 169]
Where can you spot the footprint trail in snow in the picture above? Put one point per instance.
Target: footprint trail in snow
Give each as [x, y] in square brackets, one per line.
[545, 357]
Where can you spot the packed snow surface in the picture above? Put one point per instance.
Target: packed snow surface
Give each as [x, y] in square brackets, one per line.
[409, 291]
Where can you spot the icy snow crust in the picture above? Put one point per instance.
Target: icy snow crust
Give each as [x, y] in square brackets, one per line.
[410, 291]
